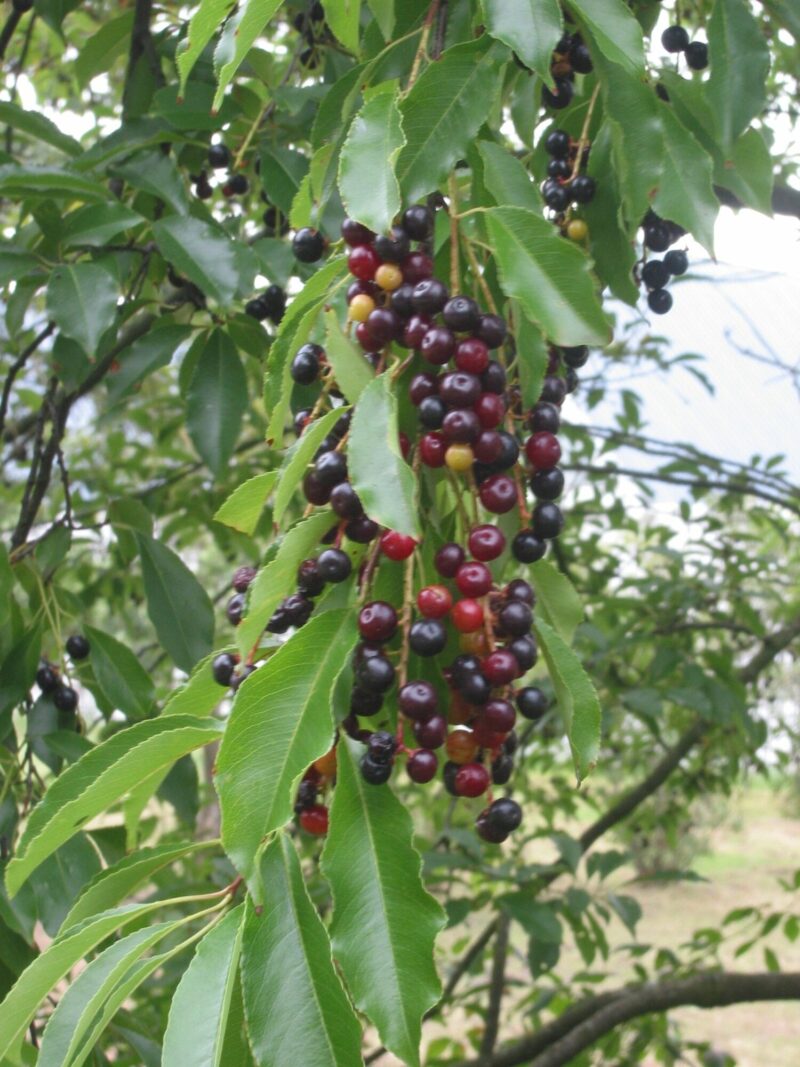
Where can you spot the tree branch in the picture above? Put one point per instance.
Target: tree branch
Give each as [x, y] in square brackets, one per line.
[7, 32]
[785, 200]
[548, 1048]
[142, 47]
[496, 987]
[16, 367]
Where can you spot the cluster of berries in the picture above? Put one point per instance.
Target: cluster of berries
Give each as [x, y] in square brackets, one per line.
[49, 679]
[655, 274]
[675, 39]
[471, 422]
[566, 186]
[313, 28]
[571, 57]
[219, 158]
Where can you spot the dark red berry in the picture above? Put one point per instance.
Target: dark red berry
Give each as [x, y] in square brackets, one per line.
[498, 494]
[499, 667]
[499, 716]
[459, 389]
[448, 559]
[417, 700]
[461, 426]
[363, 261]
[472, 356]
[422, 766]
[472, 780]
[438, 345]
[486, 542]
[434, 601]
[315, 820]
[543, 450]
[417, 267]
[421, 386]
[490, 409]
[416, 330]
[356, 234]
[432, 448]
[467, 616]
[473, 579]
[431, 733]
[377, 621]
[489, 447]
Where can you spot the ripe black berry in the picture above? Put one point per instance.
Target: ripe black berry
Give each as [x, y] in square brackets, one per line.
[515, 618]
[519, 589]
[235, 609]
[375, 772]
[545, 417]
[222, 668]
[345, 501]
[77, 647]
[476, 689]
[492, 331]
[334, 565]
[532, 703]
[505, 814]
[308, 245]
[422, 766]
[429, 296]
[47, 678]
[461, 314]
[657, 237]
[575, 357]
[697, 55]
[557, 144]
[494, 379]
[376, 674]
[527, 547]
[361, 530]
[363, 702]
[556, 196]
[330, 469]
[381, 746]
[582, 188]
[65, 698]
[432, 411]
[418, 222]
[394, 248]
[660, 301]
[305, 365]
[548, 485]
[675, 39]
[377, 621]
[553, 390]
[547, 521]
[558, 168]
[525, 652]
[560, 97]
[219, 156]
[676, 262]
[655, 274]
[502, 769]
[427, 637]
[297, 609]
[309, 579]
[580, 58]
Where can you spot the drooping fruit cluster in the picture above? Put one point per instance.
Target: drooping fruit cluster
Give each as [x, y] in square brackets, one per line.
[52, 683]
[675, 39]
[571, 57]
[566, 187]
[655, 274]
[438, 675]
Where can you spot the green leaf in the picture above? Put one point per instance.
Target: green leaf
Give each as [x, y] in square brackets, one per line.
[343, 17]
[216, 401]
[82, 300]
[25, 182]
[15, 263]
[685, 194]
[238, 37]
[198, 1014]
[532, 356]
[616, 32]
[281, 722]
[18, 669]
[114, 883]
[613, 251]
[576, 696]
[383, 12]
[294, 331]
[378, 472]
[203, 25]
[39, 127]
[293, 998]
[156, 174]
[632, 110]
[628, 909]
[556, 599]
[548, 276]
[279, 577]
[120, 675]
[298, 458]
[101, 778]
[367, 182]
[47, 970]
[373, 870]
[85, 996]
[101, 50]
[539, 920]
[444, 111]
[178, 606]
[144, 357]
[242, 510]
[748, 171]
[96, 224]
[506, 178]
[282, 172]
[531, 27]
[353, 372]
[204, 253]
[738, 65]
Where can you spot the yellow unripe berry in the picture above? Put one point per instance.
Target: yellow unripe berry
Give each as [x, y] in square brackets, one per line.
[461, 746]
[389, 277]
[474, 644]
[359, 308]
[459, 458]
[577, 230]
